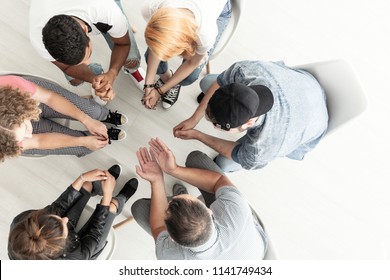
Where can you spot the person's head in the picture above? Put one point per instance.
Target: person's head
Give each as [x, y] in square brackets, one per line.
[171, 32]
[16, 112]
[188, 221]
[65, 38]
[236, 107]
[41, 236]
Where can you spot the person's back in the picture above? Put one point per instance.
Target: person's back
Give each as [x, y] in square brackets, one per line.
[297, 120]
[235, 234]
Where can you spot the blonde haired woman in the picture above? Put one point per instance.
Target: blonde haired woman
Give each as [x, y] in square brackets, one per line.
[186, 28]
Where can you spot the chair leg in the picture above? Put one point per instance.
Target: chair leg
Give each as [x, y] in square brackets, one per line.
[208, 67]
[125, 221]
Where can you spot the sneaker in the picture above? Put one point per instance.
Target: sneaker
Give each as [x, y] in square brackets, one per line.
[200, 97]
[115, 171]
[129, 189]
[115, 134]
[116, 118]
[171, 97]
[178, 189]
[137, 76]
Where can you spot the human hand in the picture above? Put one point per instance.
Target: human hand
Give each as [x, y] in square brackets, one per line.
[165, 158]
[103, 85]
[94, 142]
[151, 98]
[96, 127]
[187, 134]
[108, 185]
[148, 167]
[187, 124]
[93, 175]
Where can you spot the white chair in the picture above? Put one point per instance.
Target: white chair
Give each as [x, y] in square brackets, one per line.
[109, 250]
[271, 253]
[345, 97]
[237, 6]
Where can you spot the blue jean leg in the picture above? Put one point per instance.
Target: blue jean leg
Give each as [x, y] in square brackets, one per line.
[134, 53]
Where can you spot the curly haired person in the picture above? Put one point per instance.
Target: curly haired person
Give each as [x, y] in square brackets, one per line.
[27, 106]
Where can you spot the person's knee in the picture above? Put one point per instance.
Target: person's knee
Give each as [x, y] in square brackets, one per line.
[138, 207]
[193, 157]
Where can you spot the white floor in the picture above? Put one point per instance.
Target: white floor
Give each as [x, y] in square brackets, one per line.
[332, 205]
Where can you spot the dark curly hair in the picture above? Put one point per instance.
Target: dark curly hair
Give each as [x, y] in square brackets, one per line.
[188, 222]
[65, 40]
[15, 108]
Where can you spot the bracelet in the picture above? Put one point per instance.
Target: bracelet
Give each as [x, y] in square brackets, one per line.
[159, 91]
[82, 179]
[148, 86]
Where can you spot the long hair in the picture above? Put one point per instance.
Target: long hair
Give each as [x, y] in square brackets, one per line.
[171, 32]
[188, 222]
[15, 108]
[40, 236]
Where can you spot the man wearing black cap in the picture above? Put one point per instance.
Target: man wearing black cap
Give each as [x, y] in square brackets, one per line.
[282, 109]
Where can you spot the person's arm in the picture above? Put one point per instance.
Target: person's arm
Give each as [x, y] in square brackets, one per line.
[185, 69]
[151, 96]
[92, 235]
[199, 112]
[50, 141]
[207, 180]
[149, 170]
[63, 106]
[104, 82]
[223, 147]
[80, 72]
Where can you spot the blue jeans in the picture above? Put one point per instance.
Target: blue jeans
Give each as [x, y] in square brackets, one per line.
[222, 22]
[133, 54]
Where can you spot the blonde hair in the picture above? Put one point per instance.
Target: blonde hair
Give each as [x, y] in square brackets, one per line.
[40, 236]
[15, 108]
[171, 32]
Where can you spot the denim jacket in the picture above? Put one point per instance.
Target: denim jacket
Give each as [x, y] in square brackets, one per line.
[296, 122]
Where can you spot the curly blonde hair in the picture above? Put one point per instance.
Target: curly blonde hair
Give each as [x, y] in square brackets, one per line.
[171, 32]
[15, 108]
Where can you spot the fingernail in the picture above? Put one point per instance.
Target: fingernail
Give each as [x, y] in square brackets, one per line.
[105, 178]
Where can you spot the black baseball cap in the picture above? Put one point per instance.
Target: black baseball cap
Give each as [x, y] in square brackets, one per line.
[234, 104]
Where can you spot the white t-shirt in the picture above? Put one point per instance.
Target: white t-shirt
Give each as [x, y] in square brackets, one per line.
[104, 14]
[206, 13]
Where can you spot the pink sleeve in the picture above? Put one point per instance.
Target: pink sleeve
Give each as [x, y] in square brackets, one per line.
[18, 82]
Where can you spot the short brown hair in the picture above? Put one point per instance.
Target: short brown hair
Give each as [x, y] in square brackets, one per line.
[171, 32]
[15, 108]
[40, 236]
[188, 222]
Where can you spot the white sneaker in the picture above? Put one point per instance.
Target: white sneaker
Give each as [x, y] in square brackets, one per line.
[137, 75]
[97, 99]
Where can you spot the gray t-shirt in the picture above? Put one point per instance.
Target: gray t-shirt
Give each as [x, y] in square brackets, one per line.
[237, 235]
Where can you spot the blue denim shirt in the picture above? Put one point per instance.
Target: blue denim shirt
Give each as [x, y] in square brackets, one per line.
[295, 124]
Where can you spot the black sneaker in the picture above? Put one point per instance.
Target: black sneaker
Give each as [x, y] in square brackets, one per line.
[115, 134]
[171, 97]
[129, 189]
[114, 170]
[200, 97]
[116, 118]
[178, 189]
